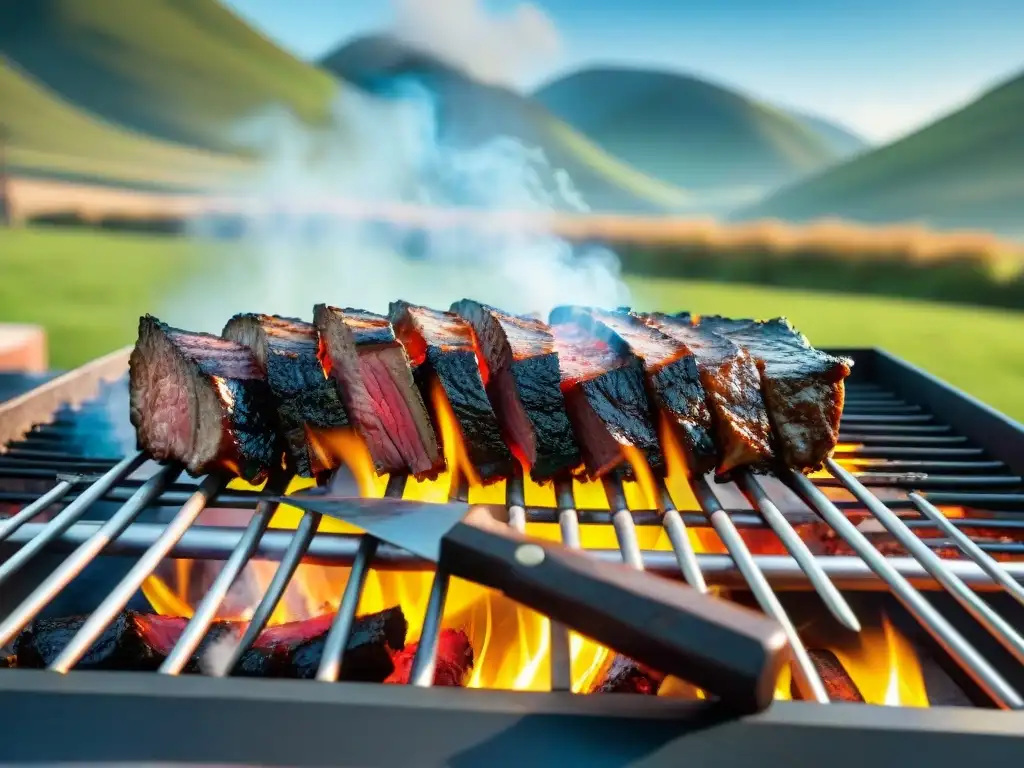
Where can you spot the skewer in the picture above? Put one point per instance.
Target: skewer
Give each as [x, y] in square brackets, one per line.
[681, 546]
[569, 528]
[37, 507]
[622, 519]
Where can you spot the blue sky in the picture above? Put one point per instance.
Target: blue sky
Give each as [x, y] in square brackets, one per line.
[881, 67]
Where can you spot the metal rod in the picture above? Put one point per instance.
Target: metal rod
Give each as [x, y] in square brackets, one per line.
[865, 438]
[897, 452]
[868, 418]
[425, 660]
[105, 613]
[904, 429]
[680, 540]
[344, 618]
[569, 528]
[61, 576]
[37, 507]
[206, 611]
[934, 622]
[67, 516]
[978, 608]
[923, 482]
[301, 537]
[516, 501]
[805, 675]
[826, 590]
[992, 501]
[901, 465]
[987, 563]
[622, 520]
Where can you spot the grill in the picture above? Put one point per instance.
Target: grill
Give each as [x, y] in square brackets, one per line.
[922, 446]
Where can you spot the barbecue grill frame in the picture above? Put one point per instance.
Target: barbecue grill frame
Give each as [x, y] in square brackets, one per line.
[128, 717]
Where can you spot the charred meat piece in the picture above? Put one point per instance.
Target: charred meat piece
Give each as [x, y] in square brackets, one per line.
[524, 386]
[732, 385]
[606, 398]
[140, 642]
[306, 400]
[803, 387]
[360, 353]
[627, 676]
[673, 381]
[838, 683]
[203, 401]
[441, 345]
[454, 660]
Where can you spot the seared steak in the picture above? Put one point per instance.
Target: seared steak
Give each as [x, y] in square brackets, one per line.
[360, 353]
[673, 381]
[803, 387]
[732, 385]
[440, 346]
[606, 399]
[523, 383]
[203, 401]
[306, 400]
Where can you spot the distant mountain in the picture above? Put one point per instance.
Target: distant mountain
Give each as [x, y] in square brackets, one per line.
[46, 136]
[842, 140]
[181, 70]
[694, 133]
[965, 170]
[469, 113]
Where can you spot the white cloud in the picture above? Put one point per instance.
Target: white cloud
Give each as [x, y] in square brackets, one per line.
[501, 48]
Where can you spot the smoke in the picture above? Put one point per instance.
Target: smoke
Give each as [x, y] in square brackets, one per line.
[377, 152]
[497, 48]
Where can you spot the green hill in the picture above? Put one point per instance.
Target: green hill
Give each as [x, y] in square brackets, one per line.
[965, 170]
[692, 132]
[181, 70]
[46, 135]
[469, 112]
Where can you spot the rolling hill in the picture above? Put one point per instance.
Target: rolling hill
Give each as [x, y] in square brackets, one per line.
[47, 136]
[469, 113]
[181, 70]
[691, 132]
[965, 170]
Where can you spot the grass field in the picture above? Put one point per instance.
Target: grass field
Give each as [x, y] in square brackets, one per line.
[88, 289]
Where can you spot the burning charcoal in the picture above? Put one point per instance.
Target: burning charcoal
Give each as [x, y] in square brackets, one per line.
[8, 662]
[294, 650]
[732, 385]
[838, 683]
[673, 381]
[802, 386]
[287, 350]
[454, 660]
[523, 385]
[441, 344]
[360, 353]
[627, 676]
[201, 400]
[606, 399]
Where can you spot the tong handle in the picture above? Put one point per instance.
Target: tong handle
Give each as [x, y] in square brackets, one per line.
[729, 651]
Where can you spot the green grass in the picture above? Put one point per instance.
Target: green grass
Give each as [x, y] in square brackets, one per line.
[182, 70]
[88, 290]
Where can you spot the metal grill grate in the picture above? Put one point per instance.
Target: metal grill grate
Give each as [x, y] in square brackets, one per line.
[930, 447]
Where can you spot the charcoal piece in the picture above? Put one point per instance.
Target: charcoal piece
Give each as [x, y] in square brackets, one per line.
[673, 381]
[838, 684]
[203, 401]
[803, 387]
[627, 676]
[454, 660]
[370, 368]
[524, 387]
[606, 398]
[441, 348]
[306, 400]
[294, 650]
[8, 662]
[732, 385]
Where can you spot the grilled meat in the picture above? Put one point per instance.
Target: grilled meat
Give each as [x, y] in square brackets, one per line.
[732, 385]
[673, 381]
[306, 400]
[203, 401]
[523, 383]
[441, 345]
[360, 353]
[454, 660]
[803, 387]
[627, 676]
[606, 400]
[140, 642]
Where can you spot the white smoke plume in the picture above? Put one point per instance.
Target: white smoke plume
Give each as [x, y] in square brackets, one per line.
[494, 47]
[387, 150]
